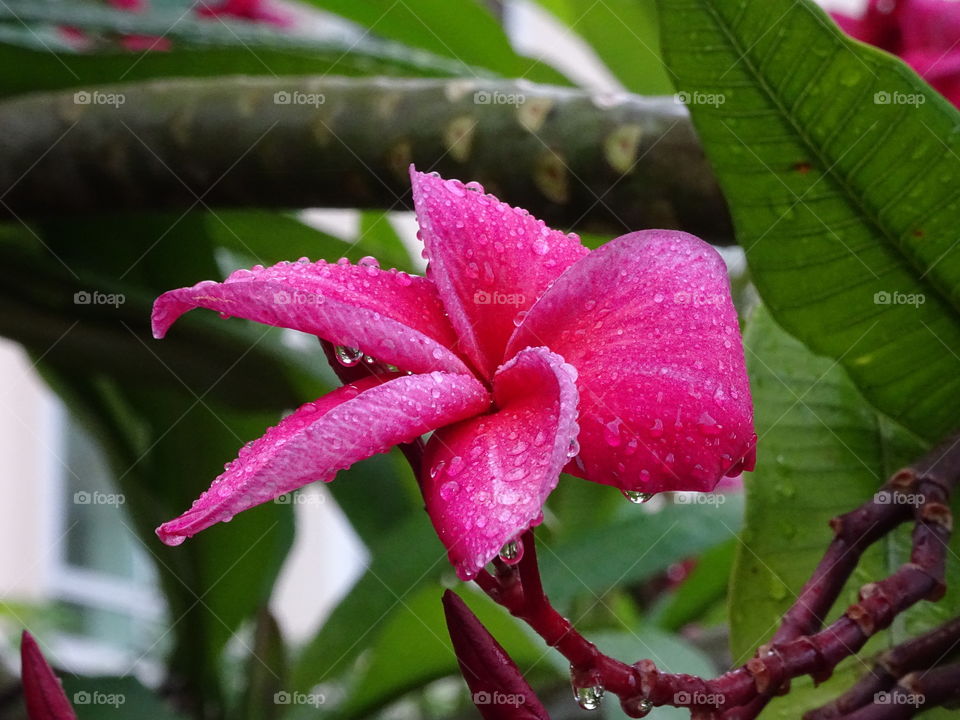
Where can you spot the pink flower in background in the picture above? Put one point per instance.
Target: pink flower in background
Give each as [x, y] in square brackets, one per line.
[524, 352]
[925, 33]
[255, 10]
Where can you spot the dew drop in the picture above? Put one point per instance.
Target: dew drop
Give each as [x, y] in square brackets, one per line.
[636, 707]
[574, 448]
[348, 356]
[518, 318]
[449, 489]
[403, 279]
[611, 432]
[588, 697]
[512, 552]
[656, 430]
[637, 497]
[474, 186]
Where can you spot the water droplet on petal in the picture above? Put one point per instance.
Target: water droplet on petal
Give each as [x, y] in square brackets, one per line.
[518, 318]
[656, 430]
[474, 186]
[449, 489]
[574, 448]
[611, 432]
[348, 356]
[403, 279]
[512, 552]
[637, 497]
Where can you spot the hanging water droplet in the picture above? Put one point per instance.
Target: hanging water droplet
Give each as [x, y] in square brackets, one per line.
[637, 707]
[574, 448]
[637, 497]
[348, 356]
[588, 697]
[512, 552]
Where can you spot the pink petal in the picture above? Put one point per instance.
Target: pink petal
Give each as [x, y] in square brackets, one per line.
[497, 687]
[349, 424]
[648, 322]
[394, 317]
[490, 261]
[931, 26]
[42, 691]
[941, 70]
[487, 478]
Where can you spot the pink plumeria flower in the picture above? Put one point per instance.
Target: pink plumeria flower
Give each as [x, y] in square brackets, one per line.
[924, 33]
[523, 352]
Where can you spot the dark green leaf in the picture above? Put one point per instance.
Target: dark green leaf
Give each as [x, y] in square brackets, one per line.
[838, 163]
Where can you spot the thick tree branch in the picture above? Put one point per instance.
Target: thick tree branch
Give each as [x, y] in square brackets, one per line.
[578, 160]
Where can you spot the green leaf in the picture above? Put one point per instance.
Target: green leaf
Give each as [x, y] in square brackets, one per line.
[838, 163]
[822, 452]
[460, 29]
[705, 585]
[406, 557]
[413, 649]
[635, 547]
[115, 698]
[624, 35]
[266, 671]
[26, 69]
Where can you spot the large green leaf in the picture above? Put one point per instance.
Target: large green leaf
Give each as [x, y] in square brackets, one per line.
[822, 451]
[28, 69]
[624, 35]
[840, 167]
[461, 29]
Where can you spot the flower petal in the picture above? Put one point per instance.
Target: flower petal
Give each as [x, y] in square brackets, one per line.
[497, 687]
[648, 322]
[487, 478]
[489, 261]
[42, 691]
[394, 317]
[349, 424]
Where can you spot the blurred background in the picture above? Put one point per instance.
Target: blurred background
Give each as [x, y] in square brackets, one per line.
[105, 432]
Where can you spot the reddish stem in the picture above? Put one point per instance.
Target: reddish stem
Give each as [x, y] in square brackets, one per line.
[799, 647]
